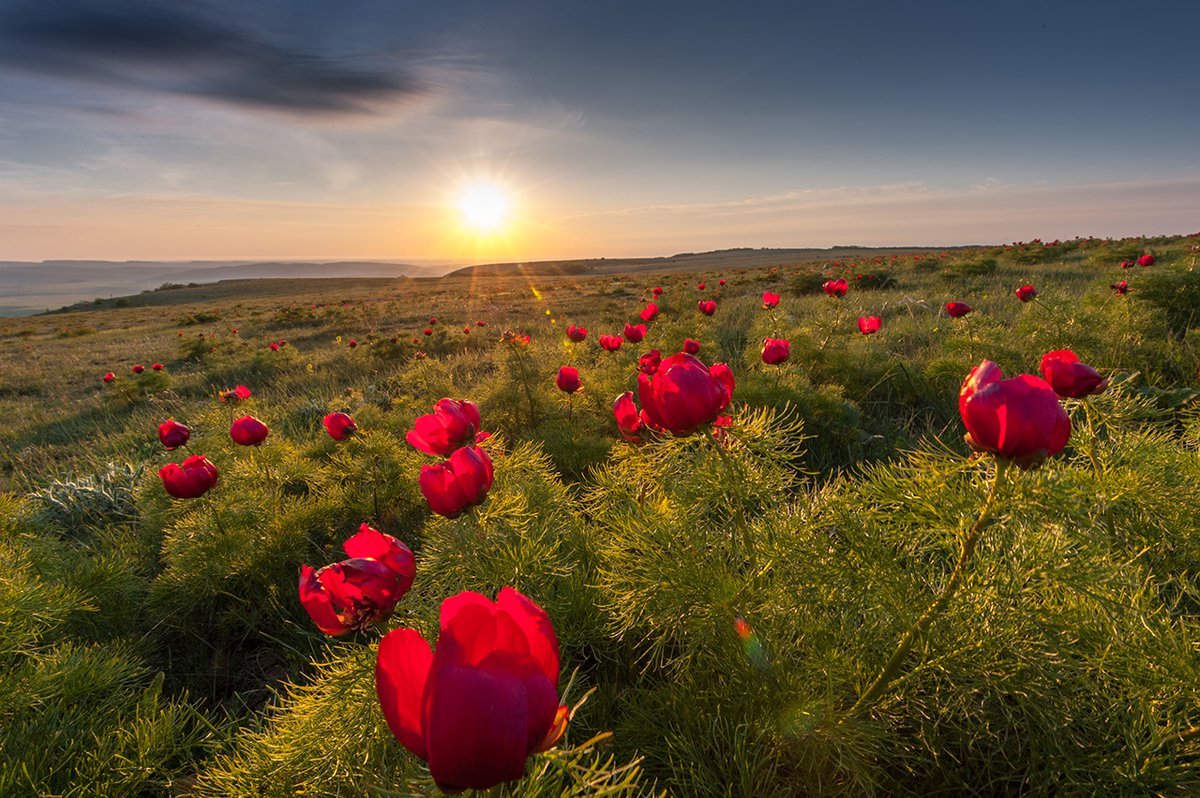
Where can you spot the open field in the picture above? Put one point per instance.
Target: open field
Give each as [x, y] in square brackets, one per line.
[724, 601]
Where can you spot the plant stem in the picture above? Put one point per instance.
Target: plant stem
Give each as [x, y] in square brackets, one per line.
[892, 669]
[216, 516]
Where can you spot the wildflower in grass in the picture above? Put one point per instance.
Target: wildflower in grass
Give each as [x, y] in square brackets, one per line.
[611, 343]
[701, 286]
[1018, 419]
[576, 334]
[707, 307]
[1068, 377]
[1026, 292]
[770, 300]
[657, 291]
[481, 323]
[836, 288]
[339, 426]
[649, 313]
[361, 591]
[775, 351]
[235, 395]
[956, 310]
[248, 431]
[721, 281]
[1147, 260]
[477, 706]
[190, 479]
[453, 423]
[649, 362]
[427, 331]
[568, 380]
[514, 338]
[690, 346]
[634, 333]
[108, 376]
[629, 420]
[460, 483]
[172, 434]
[684, 394]
[274, 347]
[1120, 288]
[868, 325]
[157, 367]
[138, 368]
[1127, 264]
[432, 320]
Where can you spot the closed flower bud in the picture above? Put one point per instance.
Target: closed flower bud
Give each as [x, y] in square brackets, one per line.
[458, 484]
[190, 479]
[568, 380]
[1068, 377]
[453, 423]
[1018, 419]
[248, 431]
[775, 351]
[957, 310]
[172, 434]
[340, 426]
[634, 333]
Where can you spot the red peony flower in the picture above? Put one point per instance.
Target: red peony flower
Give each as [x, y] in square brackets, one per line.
[868, 325]
[172, 434]
[770, 300]
[453, 423]
[649, 313]
[363, 590]
[629, 420]
[690, 346]
[477, 706]
[109, 376]
[701, 286]
[248, 431]
[576, 334]
[634, 333]
[273, 347]
[1068, 377]
[1026, 293]
[611, 343]
[353, 343]
[649, 362]
[684, 394]
[458, 484]
[1018, 419]
[958, 309]
[657, 291]
[432, 320]
[775, 351]
[707, 307]
[190, 479]
[157, 367]
[1120, 288]
[1127, 264]
[1147, 260]
[339, 426]
[427, 331]
[836, 288]
[721, 281]
[568, 380]
[138, 369]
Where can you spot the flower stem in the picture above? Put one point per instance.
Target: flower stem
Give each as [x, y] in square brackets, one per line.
[216, 515]
[892, 669]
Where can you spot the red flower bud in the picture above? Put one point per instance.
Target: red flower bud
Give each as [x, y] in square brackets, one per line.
[362, 590]
[634, 332]
[1068, 377]
[157, 367]
[190, 479]
[109, 376]
[576, 334]
[568, 380]
[707, 306]
[649, 362]
[453, 423]
[690, 346]
[657, 291]
[868, 325]
[1018, 419]
[248, 431]
[339, 426]
[1146, 260]
[957, 309]
[684, 394]
[1026, 293]
[458, 484]
[1120, 288]
[138, 369]
[172, 434]
[775, 351]
[836, 288]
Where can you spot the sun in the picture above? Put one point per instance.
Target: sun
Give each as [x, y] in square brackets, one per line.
[484, 206]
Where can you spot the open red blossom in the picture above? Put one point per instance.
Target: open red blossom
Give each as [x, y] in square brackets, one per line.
[611, 343]
[1018, 419]
[157, 367]
[630, 421]
[1026, 293]
[657, 291]
[453, 423]
[568, 380]
[707, 306]
[1068, 377]
[477, 706]
[721, 281]
[957, 310]
[248, 431]
[1147, 260]
[109, 376]
[1120, 288]
[190, 479]
[361, 591]
[481, 323]
[836, 288]
[576, 334]
[273, 347]
[427, 331]
[649, 362]
[458, 484]
[340, 426]
[868, 325]
[634, 332]
[775, 351]
[684, 394]
[770, 299]
[138, 368]
[172, 434]
[701, 286]
[690, 346]
[649, 313]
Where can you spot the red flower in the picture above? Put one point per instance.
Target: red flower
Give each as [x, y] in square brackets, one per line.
[235, 395]
[109, 376]
[611, 343]
[487, 698]
[629, 420]
[701, 286]
[432, 320]
[957, 310]
[273, 347]
[836, 288]
[363, 590]
[649, 313]
[339, 426]
[707, 307]
[157, 367]
[1126, 264]
[1018, 419]
[634, 332]
[353, 343]
[568, 380]
[466, 330]
[1120, 288]
[721, 281]
[427, 331]
[690, 346]
[1146, 260]
[453, 423]
[190, 479]
[684, 393]
[172, 434]
[576, 334]
[1068, 377]
[868, 325]
[770, 300]
[649, 362]
[481, 323]
[248, 431]
[775, 351]
[460, 483]
[657, 291]
[138, 369]
[1026, 293]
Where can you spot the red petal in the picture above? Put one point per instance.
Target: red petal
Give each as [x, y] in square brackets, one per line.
[402, 667]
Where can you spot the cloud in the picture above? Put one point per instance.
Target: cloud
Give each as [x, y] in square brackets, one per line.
[172, 50]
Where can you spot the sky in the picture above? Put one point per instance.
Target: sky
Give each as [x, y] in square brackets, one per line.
[231, 129]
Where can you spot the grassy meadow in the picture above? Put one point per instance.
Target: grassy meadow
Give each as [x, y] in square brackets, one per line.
[721, 606]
